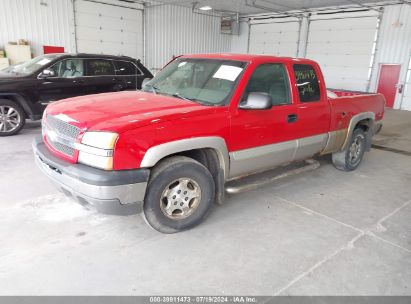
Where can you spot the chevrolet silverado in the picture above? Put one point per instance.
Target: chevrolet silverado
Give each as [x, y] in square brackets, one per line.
[202, 121]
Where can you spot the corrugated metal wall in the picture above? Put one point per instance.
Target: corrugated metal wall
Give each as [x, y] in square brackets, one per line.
[46, 22]
[175, 30]
[394, 44]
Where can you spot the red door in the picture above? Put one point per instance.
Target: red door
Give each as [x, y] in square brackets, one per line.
[387, 84]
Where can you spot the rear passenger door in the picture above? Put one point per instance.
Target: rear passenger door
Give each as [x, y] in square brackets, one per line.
[128, 75]
[313, 110]
[101, 76]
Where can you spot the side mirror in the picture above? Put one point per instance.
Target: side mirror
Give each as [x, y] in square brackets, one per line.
[47, 73]
[145, 81]
[256, 101]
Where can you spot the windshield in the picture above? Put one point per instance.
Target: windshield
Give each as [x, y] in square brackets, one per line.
[206, 81]
[32, 65]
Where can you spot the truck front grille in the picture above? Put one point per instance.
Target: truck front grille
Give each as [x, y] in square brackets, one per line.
[61, 135]
[63, 128]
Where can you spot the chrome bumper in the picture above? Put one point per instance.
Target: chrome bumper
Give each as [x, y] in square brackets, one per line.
[111, 192]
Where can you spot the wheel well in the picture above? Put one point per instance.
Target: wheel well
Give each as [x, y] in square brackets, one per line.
[364, 124]
[15, 99]
[208, 157]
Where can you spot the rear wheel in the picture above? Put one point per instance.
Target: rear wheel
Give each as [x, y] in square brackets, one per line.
[179, 195]
[12, 118]
[351, 157]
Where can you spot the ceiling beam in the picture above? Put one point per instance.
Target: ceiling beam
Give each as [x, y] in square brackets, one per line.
[271, 10]
[363, 5]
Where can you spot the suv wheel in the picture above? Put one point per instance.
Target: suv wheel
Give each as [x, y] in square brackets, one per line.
[179, 195]
[351, 157]
[12, 118]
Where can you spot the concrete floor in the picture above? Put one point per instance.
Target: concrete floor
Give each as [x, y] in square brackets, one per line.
[324, 232]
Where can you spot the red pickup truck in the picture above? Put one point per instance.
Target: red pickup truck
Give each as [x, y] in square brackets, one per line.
[201, 121]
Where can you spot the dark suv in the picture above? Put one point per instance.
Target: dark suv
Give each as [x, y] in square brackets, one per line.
[26, 89]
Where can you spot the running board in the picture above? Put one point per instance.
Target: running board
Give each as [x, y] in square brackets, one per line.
[255, 181]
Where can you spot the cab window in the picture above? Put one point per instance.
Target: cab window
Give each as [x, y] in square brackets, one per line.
[99, 67]
[69, 68]
[307, 83]
[270, 78]
[126, 68]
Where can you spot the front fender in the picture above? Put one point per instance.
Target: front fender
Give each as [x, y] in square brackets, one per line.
[156, 153]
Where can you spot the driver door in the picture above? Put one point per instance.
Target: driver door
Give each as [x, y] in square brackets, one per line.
[67, 81]
[264, 139]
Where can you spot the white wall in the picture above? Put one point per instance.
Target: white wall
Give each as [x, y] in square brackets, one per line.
[47, 24]
[170, 30]
[394, 45]
[239, 43]
[175, 30]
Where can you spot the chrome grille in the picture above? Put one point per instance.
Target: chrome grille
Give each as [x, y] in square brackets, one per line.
[61, 135]
[60, 147]
[62, 127]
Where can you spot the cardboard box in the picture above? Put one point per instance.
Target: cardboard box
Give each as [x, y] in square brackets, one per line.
[4, 63]
[18, 53]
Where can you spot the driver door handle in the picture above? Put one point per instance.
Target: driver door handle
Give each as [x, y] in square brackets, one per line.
[292, 118]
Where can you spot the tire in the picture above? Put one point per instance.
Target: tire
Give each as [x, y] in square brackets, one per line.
[351, 157]
[12, 118]
[165, 208]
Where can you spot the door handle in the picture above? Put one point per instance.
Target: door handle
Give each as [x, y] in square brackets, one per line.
[292, 118]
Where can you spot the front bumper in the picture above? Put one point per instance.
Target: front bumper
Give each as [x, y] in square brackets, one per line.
[111, 192]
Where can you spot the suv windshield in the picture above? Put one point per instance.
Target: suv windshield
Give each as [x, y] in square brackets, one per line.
[32, 65]
[206, 81]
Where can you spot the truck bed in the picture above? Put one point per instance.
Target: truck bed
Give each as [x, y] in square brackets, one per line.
[346, 104]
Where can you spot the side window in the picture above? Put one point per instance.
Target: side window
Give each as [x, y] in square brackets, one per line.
[126, 68]
[270, 78]
[56, 68]
[307, 83]
[99, 67]
[69, 68]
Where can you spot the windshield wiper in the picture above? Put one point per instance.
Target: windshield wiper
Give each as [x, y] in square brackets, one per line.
[178, 95]
[154, 89]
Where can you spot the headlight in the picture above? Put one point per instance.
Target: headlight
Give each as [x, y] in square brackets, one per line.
[102, 140]
[96, 149]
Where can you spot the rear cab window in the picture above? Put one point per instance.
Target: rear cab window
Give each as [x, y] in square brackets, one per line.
[307, 83]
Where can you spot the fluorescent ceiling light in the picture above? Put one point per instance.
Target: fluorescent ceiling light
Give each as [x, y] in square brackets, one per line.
[206, 8]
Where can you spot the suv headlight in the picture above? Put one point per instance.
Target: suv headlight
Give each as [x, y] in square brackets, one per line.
[97, 148]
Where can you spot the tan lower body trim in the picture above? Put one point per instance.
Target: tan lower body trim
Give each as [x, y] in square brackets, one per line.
[248, 161]
[335, 141]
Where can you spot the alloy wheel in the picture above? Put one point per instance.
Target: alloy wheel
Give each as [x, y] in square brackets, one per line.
[180, 198]
[9, 119]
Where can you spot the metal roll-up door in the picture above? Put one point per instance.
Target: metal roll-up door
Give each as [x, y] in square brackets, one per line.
[344, 46]
[275, 37]
[108, 29]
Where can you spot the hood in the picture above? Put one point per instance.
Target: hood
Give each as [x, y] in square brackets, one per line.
[4, 77]
[122, 111]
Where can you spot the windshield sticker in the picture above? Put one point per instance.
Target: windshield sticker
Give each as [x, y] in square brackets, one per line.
[228, 72]
[43, 61]
[182, 64]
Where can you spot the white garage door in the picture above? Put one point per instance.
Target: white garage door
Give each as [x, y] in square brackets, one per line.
[279, 38]
[344, 48]
[108, 29]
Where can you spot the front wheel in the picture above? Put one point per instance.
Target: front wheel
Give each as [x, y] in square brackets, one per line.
[12, 118]
[180, 194]
[351, 157]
